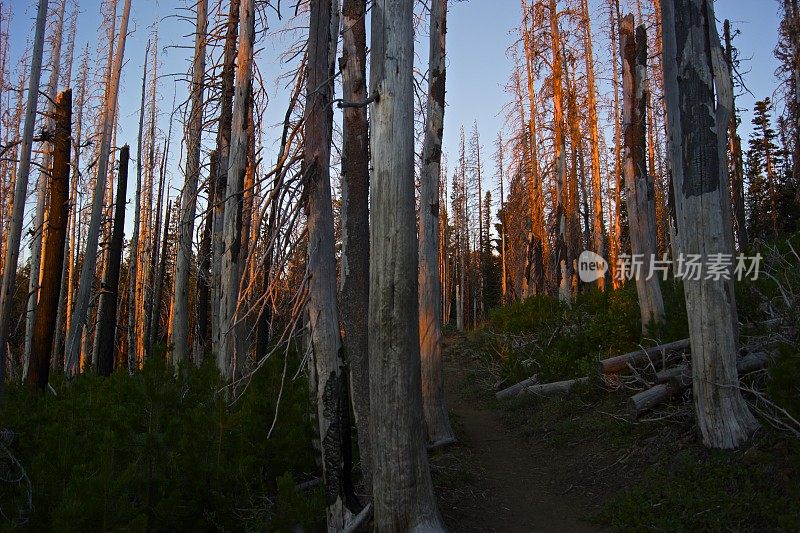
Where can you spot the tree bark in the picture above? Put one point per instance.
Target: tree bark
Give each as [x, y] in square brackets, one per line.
[440, 433]
[180, 323]
[323, 316]
[105, 339]
[403, 495]
[354, 291]
[45, 324]
[20, 191]
[638, 182]
[699, 98]
[218, 334]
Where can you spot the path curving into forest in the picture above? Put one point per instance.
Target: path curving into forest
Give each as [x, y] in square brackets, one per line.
[523, 482]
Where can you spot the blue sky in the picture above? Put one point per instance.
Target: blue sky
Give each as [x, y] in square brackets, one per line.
[480, 32]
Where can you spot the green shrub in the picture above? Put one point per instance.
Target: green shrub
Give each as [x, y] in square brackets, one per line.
[155, 451]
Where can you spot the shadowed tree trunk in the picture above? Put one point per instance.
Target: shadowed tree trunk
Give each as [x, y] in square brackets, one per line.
[699, 99]
[440, 432]
[402, 490]
[638, 183]
[354, 291]
[105, 339]
[227, 359]
[220, 179]
[44, 327]
[323, 318]
[93, 233]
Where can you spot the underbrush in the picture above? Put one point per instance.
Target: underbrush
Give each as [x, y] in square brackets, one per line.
[155, 451]
[654, 473]
[546, 337]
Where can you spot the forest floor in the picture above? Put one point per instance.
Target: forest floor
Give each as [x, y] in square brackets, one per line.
[510, 484]
[574, 464]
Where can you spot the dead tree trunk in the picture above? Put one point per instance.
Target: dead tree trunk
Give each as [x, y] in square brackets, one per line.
[323, 316]
[562, 267]
[220, 185]
[699, 99]
[105, 339]
[598, 230]
[93, 233]
[735, 155]
[180, 323]
[354, 291]
[41, 187]
[44, 329]
[440, 432]
[638, 182]
[20, 190]
[403, 496]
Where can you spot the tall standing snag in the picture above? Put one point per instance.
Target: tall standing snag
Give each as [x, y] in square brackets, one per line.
[323, 317]
[20, 190]
[105, 338]
[638, 182]
[699, 97]
[430, 307]
[227, 360]
[93, 233]
[402, 490]
[180, 317]
[56, 227]
[354, 290]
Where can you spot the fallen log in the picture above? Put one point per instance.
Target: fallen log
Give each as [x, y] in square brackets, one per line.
[514, 390]
[651, 397]
[615, 365]
[675, 379]
[552, 389]
[359, 520]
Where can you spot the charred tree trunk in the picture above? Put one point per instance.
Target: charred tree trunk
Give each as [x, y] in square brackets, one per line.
[105, 339]
[440, 432]
[44, 329]
[93, 232]
[699, 100]
[403, 496]
[354, 292]
[638, 182]
[323, 316]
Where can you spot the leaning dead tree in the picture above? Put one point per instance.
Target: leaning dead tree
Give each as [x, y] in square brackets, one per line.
[699, 99]
[403, 497]
[430, 307]
[194, 129]
[56, 235]
[109, 111]
[20, 190]
[638, 182]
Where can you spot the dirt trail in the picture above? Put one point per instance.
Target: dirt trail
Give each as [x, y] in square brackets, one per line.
[524, 482]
